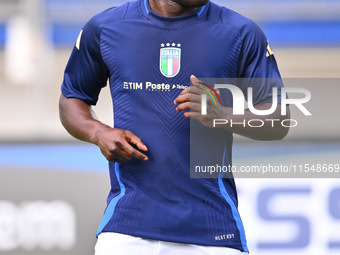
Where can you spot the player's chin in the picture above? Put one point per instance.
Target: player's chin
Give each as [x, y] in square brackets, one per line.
[192, 3]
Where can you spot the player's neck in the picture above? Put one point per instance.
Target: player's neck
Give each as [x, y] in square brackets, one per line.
[169, 8]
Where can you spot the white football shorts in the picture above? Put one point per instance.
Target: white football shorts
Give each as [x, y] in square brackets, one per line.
[118, 244]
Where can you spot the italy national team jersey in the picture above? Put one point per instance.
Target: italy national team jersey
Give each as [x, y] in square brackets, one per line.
[148, 60]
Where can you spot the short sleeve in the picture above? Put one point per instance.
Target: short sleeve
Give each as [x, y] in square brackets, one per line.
[257, 66]
[86, 73]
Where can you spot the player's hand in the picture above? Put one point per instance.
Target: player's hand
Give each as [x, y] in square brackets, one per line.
[189, 101]
[117, 144]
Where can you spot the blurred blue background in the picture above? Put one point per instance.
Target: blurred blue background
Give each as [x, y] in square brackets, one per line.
[286, 23]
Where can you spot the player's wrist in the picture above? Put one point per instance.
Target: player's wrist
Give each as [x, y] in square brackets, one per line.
[97, 131]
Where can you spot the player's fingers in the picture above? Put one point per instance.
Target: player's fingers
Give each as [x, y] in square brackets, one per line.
[131, 152]
[182, 98]
[201, 87]
[187, 98]
[196, 90]
[117, 158]
[191, 90]
[189, 94]
[192, 106]
[137, 154]
[133, 139]
[193, 115]
[196, 82]
[113, 156]
[184, 93]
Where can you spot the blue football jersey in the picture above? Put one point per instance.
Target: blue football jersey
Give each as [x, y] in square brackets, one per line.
[148, 60]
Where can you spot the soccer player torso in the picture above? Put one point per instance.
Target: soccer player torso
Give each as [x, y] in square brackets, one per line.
[148, 60]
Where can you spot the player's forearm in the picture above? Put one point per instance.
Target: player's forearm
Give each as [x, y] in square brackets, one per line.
[78, 119]
[257, 127]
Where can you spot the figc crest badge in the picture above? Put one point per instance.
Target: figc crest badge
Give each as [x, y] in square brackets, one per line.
[170, 59]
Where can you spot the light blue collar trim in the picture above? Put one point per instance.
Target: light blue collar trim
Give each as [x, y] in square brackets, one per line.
[146, 5]
[202, 9]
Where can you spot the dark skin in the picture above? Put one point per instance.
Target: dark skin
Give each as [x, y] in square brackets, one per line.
[175, 8]
[114, 143]
[117, 144]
